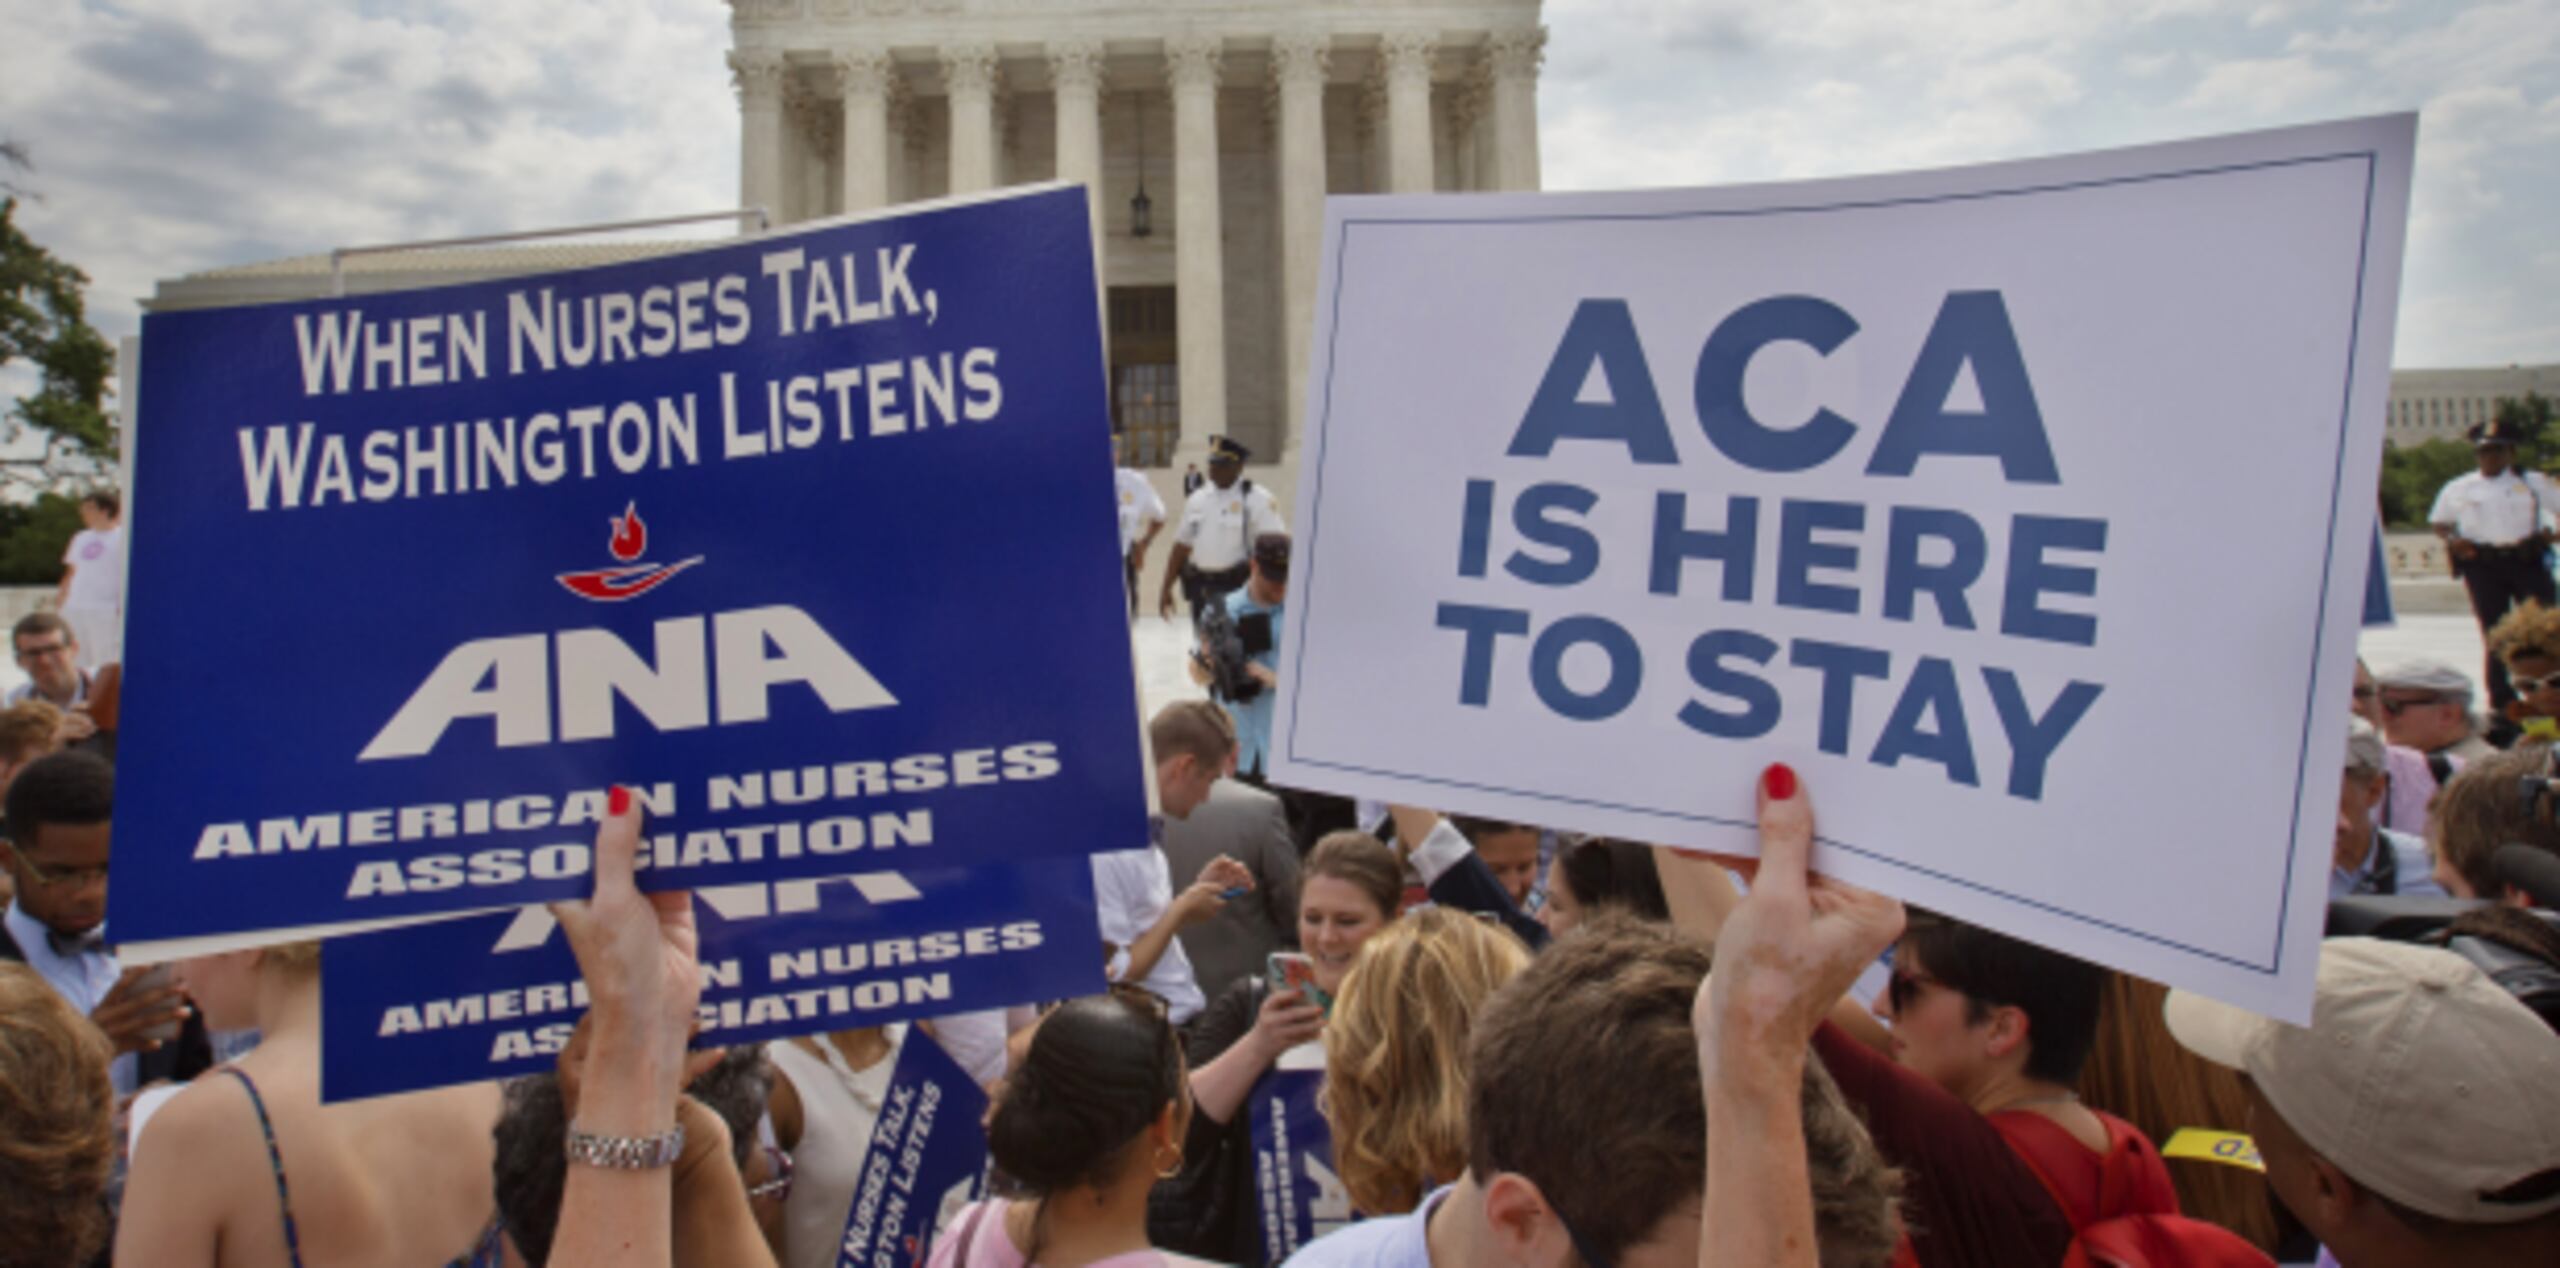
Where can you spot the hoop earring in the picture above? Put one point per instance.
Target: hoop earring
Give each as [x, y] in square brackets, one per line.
[1165, 1171]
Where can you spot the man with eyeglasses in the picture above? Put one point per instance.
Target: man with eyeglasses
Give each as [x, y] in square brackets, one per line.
[50, 653]
[59, 812]
[2412, 779]
[2496, 525]
[2426, 705]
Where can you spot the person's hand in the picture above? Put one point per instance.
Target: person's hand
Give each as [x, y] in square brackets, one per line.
[1793, 946]
[639, 954]
[1262, 674]
[1164, 604]
[1199, 902]
[130, 1010]
[1198, 664]
[76, 726]
[1287, 1019]
[1228, 873]
[2461, 548]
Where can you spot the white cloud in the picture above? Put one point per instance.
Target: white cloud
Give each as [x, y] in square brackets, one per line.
[177, 135]
[2260, 88]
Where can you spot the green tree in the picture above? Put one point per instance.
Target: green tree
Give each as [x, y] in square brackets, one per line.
[66, 434]
[2412, 474]
[33, 537]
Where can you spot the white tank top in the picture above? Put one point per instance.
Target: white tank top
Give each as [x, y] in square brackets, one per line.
[836, 1117]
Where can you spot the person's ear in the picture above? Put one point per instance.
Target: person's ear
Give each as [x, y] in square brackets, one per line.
[1525, 1229]
[2006, 1032]
[1166, 1131]
[2336, 1198]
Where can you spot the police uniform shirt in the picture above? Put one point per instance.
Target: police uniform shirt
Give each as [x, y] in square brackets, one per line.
[1138, 505]
[2498, 510]
[1219, 525]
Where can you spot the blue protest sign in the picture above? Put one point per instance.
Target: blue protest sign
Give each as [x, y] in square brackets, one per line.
[1298, 1197]
[2377, 587]
[928, 1158]
[495, 996]
[806, 536]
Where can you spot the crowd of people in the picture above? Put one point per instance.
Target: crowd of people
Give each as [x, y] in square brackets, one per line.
[1535, 1048]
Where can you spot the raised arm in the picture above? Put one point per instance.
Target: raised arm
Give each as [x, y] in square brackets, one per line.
[639, 956]
[1786, 953]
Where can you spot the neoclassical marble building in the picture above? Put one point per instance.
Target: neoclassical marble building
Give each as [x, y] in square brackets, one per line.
[1206, 133]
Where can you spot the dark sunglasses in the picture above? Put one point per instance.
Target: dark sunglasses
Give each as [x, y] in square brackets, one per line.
[2396, 707]
[1902, 988]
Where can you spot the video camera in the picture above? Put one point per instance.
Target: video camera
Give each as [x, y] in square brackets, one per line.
[1227, 649]
[2531, 871]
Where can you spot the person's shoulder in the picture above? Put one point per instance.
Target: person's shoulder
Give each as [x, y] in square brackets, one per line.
[210, 1110]
[1387, 1241]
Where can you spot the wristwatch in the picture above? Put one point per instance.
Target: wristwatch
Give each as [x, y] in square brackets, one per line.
[627, 1153]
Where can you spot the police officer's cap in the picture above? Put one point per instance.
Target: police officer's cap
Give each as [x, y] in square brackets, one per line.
[2495, 433]
[1225, 449]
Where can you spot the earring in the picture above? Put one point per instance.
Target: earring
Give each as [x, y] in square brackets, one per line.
[1167, 1171]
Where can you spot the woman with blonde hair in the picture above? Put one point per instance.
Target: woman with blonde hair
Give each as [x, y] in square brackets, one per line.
[247, 1167]
[1396, 1053]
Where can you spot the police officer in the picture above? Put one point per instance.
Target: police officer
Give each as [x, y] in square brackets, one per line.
[1213, 546]
[2495, 523]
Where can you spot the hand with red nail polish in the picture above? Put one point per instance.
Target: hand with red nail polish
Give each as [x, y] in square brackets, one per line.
[639, 954]
[1793, 946]
[1787, 952]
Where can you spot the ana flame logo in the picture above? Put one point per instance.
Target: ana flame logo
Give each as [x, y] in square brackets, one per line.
[631, 579]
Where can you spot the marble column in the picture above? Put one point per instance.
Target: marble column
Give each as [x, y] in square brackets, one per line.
[1406, 58]
[757, 75]
[1467, 128]
[1075, 78]
[1514, 55]
[1200, 290]
[1300, 63]
[905, 142]
[969, 80]
[863, 74]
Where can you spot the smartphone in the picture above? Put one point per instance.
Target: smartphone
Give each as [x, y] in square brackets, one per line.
[1292, 971]
[159, 977]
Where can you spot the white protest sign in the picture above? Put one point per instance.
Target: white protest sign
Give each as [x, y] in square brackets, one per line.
[2023, 509]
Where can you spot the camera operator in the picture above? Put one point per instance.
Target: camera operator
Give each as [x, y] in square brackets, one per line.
[1239, 662]
[1239, 654]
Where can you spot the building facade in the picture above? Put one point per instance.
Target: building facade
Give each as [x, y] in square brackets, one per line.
[1206, 133]
[2443, 404]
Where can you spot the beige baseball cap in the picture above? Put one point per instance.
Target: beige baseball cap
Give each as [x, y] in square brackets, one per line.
[2418, 1076]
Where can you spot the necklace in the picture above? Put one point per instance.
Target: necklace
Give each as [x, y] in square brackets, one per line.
[847, 1075]
[2058, 1098]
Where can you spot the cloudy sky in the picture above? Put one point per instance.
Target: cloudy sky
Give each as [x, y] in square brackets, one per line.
[178, 135]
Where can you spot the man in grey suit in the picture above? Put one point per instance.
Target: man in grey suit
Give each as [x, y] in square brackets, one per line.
[1247, 823]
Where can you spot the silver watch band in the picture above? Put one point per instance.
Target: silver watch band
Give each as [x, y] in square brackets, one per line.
[626, 1153]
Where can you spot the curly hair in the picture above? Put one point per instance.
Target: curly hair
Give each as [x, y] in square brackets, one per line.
[57, 1127]
[2529, 629]
[1396, 1053]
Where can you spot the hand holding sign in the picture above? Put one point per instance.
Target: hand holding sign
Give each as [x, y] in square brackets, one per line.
[1792, 946]
[1787, 951]
[638, 954]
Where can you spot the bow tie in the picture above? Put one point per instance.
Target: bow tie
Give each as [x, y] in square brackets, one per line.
[73, 945]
